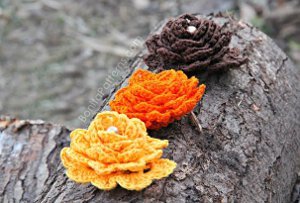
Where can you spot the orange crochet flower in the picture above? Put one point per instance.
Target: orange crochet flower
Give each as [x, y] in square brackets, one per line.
[115, 150]
[158, 99]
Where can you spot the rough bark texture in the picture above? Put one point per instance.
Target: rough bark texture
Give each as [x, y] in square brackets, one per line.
[29, 155]
[249, 150]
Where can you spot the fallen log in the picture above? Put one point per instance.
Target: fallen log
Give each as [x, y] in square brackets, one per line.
[248, 150]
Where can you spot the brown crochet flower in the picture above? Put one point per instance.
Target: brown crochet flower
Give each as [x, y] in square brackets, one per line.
[191, 44]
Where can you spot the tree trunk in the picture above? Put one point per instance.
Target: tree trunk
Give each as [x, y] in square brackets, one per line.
[248, 151]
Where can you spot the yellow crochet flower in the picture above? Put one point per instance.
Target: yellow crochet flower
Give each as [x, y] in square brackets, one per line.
[115, 150]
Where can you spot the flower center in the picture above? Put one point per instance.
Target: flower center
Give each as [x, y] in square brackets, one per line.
[112, 129]
[191, 29]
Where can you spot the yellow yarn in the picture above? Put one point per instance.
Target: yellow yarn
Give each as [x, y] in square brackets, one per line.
[128, 157]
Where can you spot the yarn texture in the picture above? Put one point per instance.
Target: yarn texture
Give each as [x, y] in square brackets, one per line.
[115, 150]
[192, 44]
[158, 99]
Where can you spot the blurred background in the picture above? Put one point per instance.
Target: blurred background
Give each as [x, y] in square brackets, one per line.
[56, 54]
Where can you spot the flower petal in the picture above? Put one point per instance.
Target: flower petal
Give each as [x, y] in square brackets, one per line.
[134, 181]
[161, 168]
[107, 182]
[102, 154]
[104, 169]
[140, 180]
[71, 158]
[81, 174]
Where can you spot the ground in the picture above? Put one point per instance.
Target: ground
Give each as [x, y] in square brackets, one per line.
[56, 56]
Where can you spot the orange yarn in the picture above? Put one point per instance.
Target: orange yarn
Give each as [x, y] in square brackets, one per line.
[158, 99]
[115, 150]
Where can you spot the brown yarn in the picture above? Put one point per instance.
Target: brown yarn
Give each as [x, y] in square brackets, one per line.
[191, 44]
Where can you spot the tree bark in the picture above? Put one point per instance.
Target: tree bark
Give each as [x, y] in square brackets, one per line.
[248, 151]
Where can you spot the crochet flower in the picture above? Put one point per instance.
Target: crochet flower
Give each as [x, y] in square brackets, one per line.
[158, 99]
[191, 44]
[115, 150]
